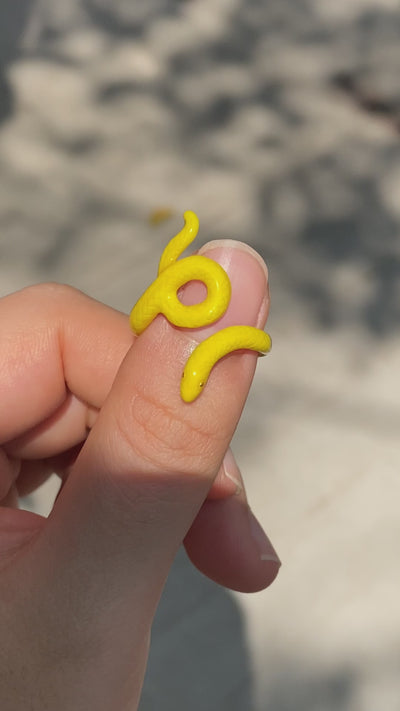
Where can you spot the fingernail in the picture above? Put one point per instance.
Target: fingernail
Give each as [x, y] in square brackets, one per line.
[248, 275]
[265, 548]
[228, 481]
[232, 472]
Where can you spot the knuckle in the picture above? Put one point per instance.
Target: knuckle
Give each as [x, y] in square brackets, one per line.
[49, 289]
[47, 298]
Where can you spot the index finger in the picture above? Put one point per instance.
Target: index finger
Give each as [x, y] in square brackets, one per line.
[55, 341]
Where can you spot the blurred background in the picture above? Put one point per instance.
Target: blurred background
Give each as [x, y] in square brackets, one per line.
[278, 122]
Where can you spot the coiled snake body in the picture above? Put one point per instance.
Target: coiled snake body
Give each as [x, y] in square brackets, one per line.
[161, 297]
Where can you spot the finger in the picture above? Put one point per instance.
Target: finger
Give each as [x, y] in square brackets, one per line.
[66, 343]
[67, 426]
[227, 543]
[150, 459]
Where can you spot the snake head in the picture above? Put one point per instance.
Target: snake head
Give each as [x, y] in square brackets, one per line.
[192, 383]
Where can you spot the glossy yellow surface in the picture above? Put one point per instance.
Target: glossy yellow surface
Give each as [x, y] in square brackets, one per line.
[161, 298]
[207, 353]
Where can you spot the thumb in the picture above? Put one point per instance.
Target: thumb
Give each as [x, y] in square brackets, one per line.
[151, 458]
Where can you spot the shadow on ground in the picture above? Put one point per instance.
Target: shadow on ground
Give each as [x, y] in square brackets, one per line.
[345, 222]
[198, 659]
[13, 19]
[253, 100]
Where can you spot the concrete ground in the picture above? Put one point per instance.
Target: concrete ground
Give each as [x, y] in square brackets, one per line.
[279, 123]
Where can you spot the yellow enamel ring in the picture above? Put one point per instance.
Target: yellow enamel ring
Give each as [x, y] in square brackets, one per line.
[161, 298]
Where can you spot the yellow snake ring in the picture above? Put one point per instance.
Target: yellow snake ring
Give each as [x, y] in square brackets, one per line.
[161, 298]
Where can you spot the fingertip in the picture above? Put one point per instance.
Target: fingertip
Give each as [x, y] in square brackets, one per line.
[227, 544]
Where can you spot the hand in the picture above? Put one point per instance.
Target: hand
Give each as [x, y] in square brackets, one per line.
[142, 471]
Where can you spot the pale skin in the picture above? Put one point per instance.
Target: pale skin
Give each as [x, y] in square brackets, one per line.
[142, 472]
